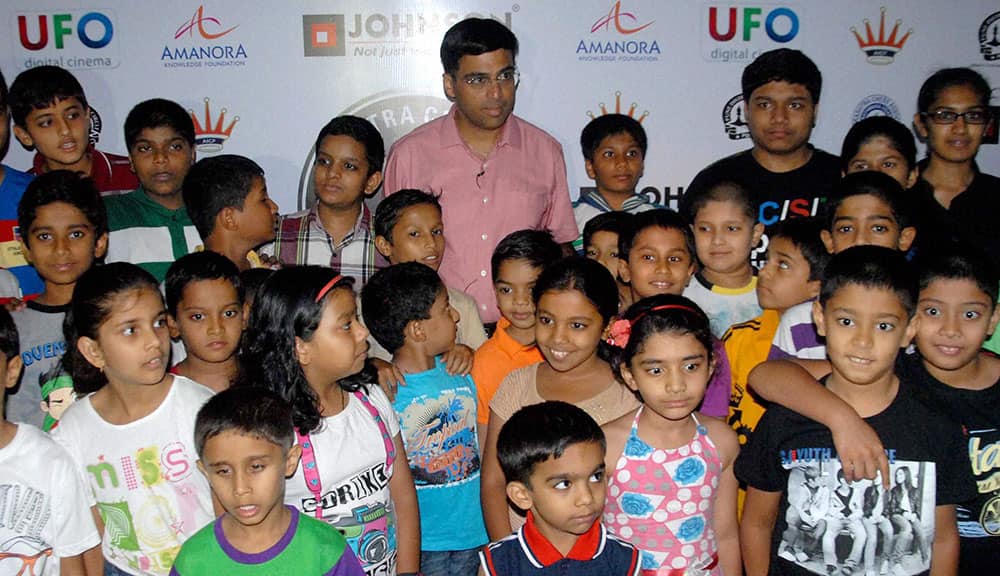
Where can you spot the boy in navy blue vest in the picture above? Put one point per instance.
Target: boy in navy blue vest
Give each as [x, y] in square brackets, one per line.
[552, 455]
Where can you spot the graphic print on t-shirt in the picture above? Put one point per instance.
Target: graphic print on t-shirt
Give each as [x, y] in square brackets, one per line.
[982, 518]
[440, 438]
[23, 514]
[830, 522]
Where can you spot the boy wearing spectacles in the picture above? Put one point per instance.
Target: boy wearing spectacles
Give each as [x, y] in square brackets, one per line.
[493, 172]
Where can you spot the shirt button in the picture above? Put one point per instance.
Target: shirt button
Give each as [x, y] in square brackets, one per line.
[485, 200]
[482, 273]
[484, 236]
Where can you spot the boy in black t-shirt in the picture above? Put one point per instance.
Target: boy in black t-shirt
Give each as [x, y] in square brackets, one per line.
[781, 91]
[865, 311]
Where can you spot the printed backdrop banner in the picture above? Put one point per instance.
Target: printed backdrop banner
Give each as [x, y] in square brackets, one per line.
[261, 78]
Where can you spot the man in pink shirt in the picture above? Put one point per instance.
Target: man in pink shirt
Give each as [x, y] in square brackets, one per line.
[494, 172]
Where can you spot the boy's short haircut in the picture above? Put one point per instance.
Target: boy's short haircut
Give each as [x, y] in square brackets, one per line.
[615, 222]
[10, 344]
[947, 78]
[361, 131]
[804, 234]
[954, 261]
[539, 432]
[660, 218]
[61, 186]
[870, 183]
[40, 88]
[720, 191]
[610, 125]
[472, 37]
[248, 410]
[873, 267]
[394, 297]
[391, 208]
[216, 183]
[782, 65]
[899, 136]
[538, 247]
[157, 113]
[197, 266]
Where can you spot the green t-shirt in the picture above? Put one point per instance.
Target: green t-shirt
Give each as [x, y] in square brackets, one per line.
[308, 548]
[145, 233]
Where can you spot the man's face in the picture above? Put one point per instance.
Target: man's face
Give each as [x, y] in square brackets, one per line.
[781, 117]
[483, 102]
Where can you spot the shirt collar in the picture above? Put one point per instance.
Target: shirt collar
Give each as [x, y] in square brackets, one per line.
[142, 196]
[100, 166]
[511, 134]
[594, 198]
[542, 553]
[506, 342]
[361, 225]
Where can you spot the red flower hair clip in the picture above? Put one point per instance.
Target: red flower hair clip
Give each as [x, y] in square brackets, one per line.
[618, 333]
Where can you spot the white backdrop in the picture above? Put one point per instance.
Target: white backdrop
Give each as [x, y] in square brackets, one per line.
[273, 73]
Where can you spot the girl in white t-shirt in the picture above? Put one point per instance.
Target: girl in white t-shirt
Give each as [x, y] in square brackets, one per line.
[132, 436]
[303, 341]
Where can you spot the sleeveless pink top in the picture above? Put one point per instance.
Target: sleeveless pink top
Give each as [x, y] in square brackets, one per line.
[662, 502]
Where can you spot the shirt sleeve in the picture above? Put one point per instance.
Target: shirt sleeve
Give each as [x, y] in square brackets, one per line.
[757, 464]
[348, 565]
[384, 407]
[73, 524]
[955, 483]
[559, 218]
[395, 174]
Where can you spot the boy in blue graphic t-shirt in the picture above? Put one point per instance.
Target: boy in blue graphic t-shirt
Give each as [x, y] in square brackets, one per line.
[407, 311]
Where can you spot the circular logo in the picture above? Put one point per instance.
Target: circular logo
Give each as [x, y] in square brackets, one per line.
[989, 37]
[734, 118]
[990, 516]
[395, 114]
[94, 131]
[875, 105]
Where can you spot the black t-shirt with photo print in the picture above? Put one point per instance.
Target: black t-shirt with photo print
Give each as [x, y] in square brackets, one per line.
[978, 411]
[928, 464]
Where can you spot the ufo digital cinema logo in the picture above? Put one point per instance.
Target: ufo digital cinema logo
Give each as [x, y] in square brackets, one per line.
[734, 115]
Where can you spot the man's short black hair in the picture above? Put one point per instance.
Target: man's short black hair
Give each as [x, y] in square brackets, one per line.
[196, 266]
[157, 113]
[361, 131]
[215, 183]
[958, 261]
[782, 65]
[870, 183]
[10, 344]
[615, 222]
[394, 297]
[61, 186]
[720, 191]
[41, 87]
[539, 432]
[472, 37]
[610, 125]
[390, 209]
[804, 234]
[660, 218]
[536, 246]
[946, 78]
[250, 410]
[873, 267]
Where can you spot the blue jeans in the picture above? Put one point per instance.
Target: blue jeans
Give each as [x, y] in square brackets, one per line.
[111, 570]
[454, 563]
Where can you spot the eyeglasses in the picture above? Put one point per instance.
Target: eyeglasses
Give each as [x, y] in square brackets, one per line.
[950, 116]
[504, 79]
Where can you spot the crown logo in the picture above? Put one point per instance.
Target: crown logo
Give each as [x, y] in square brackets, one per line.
[618, 109]
[209, 136]
[881, 50]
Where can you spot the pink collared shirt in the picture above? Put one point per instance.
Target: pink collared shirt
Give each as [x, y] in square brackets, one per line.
[522, 184]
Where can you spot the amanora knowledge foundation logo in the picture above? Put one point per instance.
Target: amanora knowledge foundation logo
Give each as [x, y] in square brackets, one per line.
[71, 39]
[619, 36]
[881, 49]
[211, 133]
[989, 37]
[734, 121]
[875, 105]
[204, 40]
[394, 113]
